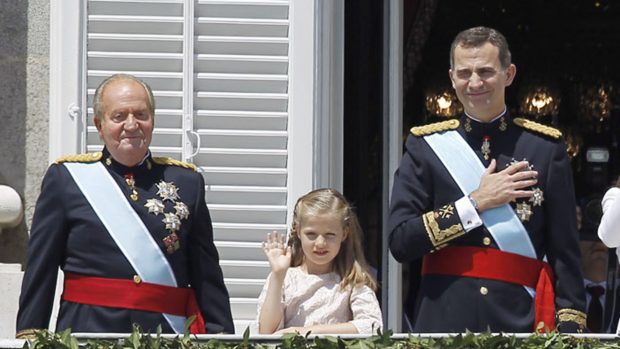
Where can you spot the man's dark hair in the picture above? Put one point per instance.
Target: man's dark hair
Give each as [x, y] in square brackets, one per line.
[478, 36]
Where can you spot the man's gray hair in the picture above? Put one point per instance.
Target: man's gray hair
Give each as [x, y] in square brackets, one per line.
[99, 108]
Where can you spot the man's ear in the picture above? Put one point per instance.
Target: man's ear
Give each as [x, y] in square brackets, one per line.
[511, 71]
[97, 122]
[450, 76]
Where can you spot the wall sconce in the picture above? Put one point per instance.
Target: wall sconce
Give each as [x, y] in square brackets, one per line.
[540, 101]
[443, 103]
[596, 101]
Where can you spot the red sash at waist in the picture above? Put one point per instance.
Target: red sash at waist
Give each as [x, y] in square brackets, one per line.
[488, 263]
[127, 294]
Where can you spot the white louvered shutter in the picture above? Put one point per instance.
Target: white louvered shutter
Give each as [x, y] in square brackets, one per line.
[240, 112]
[219, 71]
[144, 38]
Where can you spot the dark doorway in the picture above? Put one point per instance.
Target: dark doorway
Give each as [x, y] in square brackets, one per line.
[362, 119]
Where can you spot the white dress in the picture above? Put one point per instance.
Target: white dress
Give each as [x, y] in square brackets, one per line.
[310, 299]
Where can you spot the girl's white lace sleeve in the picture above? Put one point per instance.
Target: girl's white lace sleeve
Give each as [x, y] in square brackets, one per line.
[366, 311]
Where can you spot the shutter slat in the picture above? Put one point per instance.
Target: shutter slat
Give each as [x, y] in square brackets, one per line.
[238, 107]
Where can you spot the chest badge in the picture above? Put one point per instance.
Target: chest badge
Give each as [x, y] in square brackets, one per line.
[524, 211]
[486, 147]
[172, 221]
[538, 197]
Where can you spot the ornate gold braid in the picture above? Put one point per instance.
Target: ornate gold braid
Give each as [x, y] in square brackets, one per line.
[88, 157]
[435, 127]
[438, 236]
[536, 127]
[172, 162]
[27, 334]
[573, 315]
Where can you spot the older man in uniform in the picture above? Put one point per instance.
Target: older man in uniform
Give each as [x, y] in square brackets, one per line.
[131, 232]
[487, 202]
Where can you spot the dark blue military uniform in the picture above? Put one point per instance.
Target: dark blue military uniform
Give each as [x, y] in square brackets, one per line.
[67, 233]
[422, 184]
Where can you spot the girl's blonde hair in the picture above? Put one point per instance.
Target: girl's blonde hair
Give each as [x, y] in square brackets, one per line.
[350, 263]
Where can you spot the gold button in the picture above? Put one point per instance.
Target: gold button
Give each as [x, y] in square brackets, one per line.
[136, 279]
[483, 291]
[486, 241]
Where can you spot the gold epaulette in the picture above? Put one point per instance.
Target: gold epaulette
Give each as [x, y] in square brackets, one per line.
[539, 128]
[88, 157]
[173, 162]
[419, 131]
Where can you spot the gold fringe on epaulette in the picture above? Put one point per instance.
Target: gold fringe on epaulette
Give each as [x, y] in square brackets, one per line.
[172, 162]
[536, 127]
[435, 127]
[88, 157]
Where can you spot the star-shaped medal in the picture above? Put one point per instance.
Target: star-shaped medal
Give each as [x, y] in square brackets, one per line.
[167, 191]
[524, 211]
[155, 206]
[538, 197]
[172, 222]
[181, 210]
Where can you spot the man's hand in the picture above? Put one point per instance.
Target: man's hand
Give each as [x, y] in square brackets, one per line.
[498, 188]
[278, 254]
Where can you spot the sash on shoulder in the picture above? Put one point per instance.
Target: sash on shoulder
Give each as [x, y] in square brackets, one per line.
[466, 169]
[125, 227]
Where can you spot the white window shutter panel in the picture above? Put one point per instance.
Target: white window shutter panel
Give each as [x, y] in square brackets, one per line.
[240, 112]
[144, 38]
[222, 76]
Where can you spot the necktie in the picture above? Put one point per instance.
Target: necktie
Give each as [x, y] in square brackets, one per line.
[595, 310]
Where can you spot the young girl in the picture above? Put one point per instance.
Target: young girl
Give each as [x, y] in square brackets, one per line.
[320, 281]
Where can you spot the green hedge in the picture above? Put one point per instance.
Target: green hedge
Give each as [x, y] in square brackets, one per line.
[138, 340]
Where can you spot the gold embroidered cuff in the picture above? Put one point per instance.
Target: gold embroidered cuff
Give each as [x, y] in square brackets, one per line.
[440, 227]
[27, 334]
[573, 315]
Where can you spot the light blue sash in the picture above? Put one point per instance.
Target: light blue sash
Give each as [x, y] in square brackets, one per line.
[466, 169]
[125, 227]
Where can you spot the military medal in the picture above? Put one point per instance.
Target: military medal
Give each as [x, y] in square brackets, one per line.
[172, 222]
[537, 198]
[167, 191]
[181, 210]
[486, 147]
[172, 243]
[155, 206]
[131, 183]
[524, 211]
